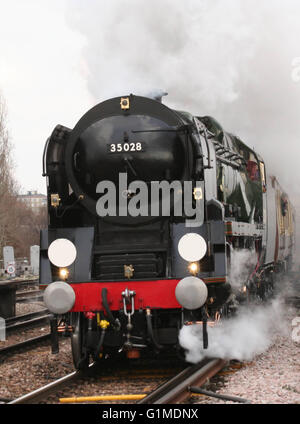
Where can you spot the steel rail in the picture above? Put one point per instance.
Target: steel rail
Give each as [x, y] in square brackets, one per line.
[24, 343]
[177, 390]
[30, 299]
[33, 321]
[26, 295]
[40, 393]
[27, 292]
[25, 317]
[26, 320]
[4, 400]
[19, 282]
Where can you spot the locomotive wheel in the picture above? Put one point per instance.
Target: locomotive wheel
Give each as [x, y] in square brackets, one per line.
[79, 353]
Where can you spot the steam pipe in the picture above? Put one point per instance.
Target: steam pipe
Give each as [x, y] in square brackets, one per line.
[114, 322]
[100, 342]
[150, 330]
[54, 334]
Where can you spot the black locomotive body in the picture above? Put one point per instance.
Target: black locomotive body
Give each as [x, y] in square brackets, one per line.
[134, 281]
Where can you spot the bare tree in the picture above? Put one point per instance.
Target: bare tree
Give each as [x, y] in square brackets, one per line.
[7, 183]
[19, 225]
[27, 229]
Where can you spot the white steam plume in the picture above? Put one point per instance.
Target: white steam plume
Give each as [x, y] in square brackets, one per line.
[243, 337]
[242, 265]
[235, 60]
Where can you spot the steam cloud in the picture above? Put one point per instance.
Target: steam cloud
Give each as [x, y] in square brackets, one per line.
[250, 333]
[235, 60]
[243, 263]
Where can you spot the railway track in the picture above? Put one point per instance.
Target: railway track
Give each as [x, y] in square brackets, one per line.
[177, 389]
[29, 296]
[26, 320]
[31, 299]
[169, 383]
[22, 322]
[20, 283]
[77, 381]
[294, 301]
[44, 391]
[32, 342]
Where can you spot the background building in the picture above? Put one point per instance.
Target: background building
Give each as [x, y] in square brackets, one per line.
[34, 200]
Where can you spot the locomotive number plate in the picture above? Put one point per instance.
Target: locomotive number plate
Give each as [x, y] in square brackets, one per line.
[125, 147]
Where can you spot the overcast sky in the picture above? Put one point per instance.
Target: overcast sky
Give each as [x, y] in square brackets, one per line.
[42, 78]
[238, 60]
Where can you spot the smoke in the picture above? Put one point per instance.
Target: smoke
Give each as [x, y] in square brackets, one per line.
[243, 337]
[235, 60]
[242, 264]
[252, 330]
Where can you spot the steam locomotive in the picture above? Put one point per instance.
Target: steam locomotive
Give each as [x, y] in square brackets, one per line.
[124, 283]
